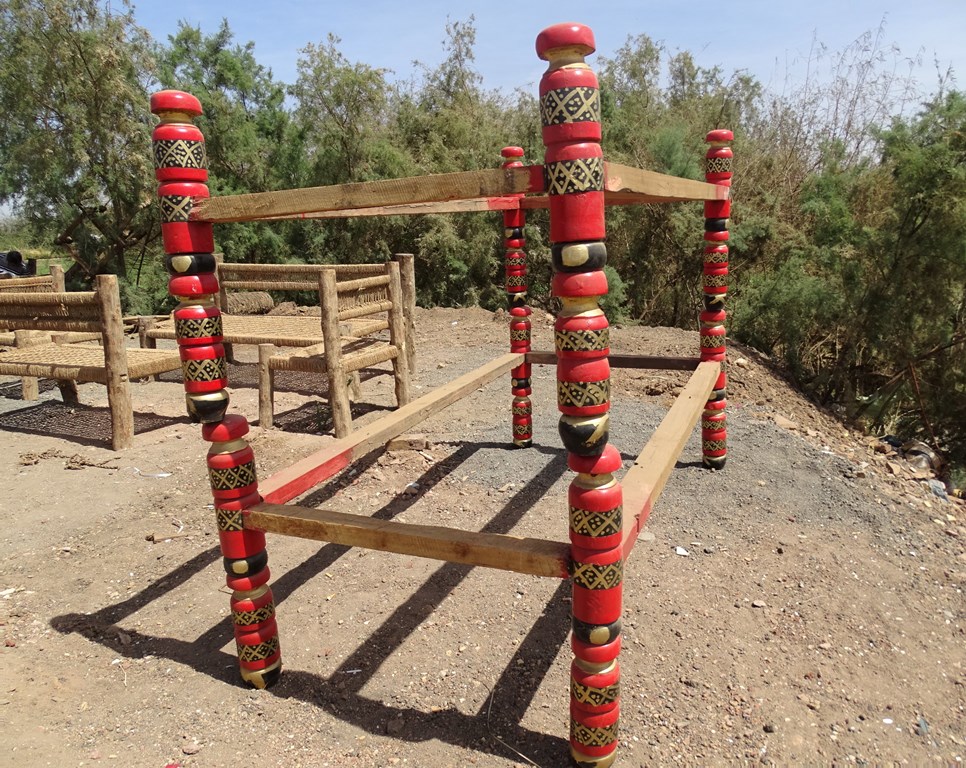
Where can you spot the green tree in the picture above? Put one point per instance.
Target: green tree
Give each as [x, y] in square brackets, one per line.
[75, 133]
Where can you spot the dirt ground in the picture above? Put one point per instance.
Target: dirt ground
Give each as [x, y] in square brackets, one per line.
[816, 617]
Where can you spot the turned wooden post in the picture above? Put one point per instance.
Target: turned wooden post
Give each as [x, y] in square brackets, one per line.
[182, 168]
[515, 267]
[57, 277]
[574, 173]
[714, 434]
[29, 386]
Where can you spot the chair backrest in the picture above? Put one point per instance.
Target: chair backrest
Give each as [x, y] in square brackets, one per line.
[54, 282]
[97, 311]
[285, 277]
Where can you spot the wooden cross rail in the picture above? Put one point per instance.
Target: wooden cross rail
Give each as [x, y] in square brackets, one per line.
[411, 195]
[642, 485]
[655, 362]
[645, 480]
[537, 557]
[295, 480]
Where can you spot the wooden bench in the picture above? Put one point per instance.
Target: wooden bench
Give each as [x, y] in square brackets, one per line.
[111, 364]
[302, 330]
[343, 353]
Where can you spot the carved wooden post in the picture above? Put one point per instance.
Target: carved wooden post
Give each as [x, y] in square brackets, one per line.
[574, 173]
[182, 168]
[515, 264]
[716, 212]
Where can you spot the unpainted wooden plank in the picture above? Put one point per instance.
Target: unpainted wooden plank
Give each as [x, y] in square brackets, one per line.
[643, 482]
[296, 479]
[536, 557]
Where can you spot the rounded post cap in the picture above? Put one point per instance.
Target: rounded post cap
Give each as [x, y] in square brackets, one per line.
[569, 34]
[511, 152]
[229, 428]
[720, 134]
[175, 101]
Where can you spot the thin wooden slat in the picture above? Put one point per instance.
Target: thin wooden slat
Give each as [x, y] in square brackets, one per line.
[478, 205]
[362, 283]
[272, 285]
[231, 270]
[367, 358]
[363, 310]
[643, 483]
[658, 187]
[655, 362]
[295, 480]
[370, 194]
[536, 557]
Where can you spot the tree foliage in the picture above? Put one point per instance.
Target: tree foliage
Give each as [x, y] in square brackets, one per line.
[848, 247]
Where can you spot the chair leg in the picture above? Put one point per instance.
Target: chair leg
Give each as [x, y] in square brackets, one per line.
[266, 387]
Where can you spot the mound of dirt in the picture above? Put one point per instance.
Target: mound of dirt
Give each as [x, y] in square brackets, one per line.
[804, 605]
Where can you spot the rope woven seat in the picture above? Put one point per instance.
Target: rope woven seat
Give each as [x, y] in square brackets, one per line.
[83, 363]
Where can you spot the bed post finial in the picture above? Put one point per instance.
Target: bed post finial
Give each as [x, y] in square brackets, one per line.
[716, 212]
[181, 165]
[574, 176]
[515, 264]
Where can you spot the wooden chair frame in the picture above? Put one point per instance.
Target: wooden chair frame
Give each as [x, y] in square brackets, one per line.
[81, 314]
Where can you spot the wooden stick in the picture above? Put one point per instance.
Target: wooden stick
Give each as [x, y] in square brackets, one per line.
[29, 386]
[537, 557]
[338, 397]
[115, 361]
[658, 187]
[407, 276]
[266, 387]
[369, 194]
[644, 481]
[295, 480]
[627, 361]
[397, 335]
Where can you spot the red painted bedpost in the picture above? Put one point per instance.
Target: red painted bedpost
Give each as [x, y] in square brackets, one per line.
[716, 212]
[574, 174]
[515, 262]
[182, 168]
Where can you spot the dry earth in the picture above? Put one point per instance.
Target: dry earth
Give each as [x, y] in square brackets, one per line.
[818, 616]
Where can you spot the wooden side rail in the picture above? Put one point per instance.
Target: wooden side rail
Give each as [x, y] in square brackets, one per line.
[305, 474]
[537, 557]
[645, 480]
[653, 362]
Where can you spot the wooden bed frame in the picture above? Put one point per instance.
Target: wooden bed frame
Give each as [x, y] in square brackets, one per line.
[606, 515]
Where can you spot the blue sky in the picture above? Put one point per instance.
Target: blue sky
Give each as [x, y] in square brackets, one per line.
[771, 40]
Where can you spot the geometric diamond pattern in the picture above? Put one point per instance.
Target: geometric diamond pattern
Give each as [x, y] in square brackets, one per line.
[714, 445]
[258, 652]
[582, 341]
[180, 153]
[175, 208]
[590, 576]
[712, 342]
[211, 369]
[715, 281]
[233, 477]
[580, 394]
[585, 174]
[716, 258]
[195, 328]
[592, 737]
[595, 697]
[229, 520]
[257, 616]
[570, 105]
[586, 523]
[520, 334]
[718, 165]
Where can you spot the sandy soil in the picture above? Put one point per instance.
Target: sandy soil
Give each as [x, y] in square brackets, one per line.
[817, 617]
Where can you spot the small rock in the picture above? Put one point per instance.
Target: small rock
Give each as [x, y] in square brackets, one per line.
[784, 423]
[191, 749]
[769, 728]
[681, 551]
[758, 604]
[741, 362]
